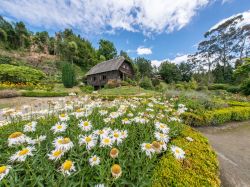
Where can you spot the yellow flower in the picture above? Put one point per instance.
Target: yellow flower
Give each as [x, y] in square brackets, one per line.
[116, 170]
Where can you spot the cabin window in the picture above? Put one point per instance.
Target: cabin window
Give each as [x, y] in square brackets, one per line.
[104, 77]
[94, 78]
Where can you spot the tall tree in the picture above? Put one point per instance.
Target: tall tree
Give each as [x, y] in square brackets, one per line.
[107, 49]
[144, 67]
[169, 72]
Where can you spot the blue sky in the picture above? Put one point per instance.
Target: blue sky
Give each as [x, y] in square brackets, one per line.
[157, 30]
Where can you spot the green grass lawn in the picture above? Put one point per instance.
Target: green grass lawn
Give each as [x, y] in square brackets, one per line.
[126, 90]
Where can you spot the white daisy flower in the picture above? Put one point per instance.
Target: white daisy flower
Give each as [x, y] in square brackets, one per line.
[114, 115]
[90, 141]
[79, 113]
[21, 156]
[56, 154]
[4, 170]
[178, 152]
[59, 127]
[102, 133]
[85, 125]
[124, 134]
[106, 141]
[130, 114]
[99, 185]
[16, 138]
[162, 127]
[189, 139]
[148, 149]
[117, 136]
[103, 112]
[64, 144]
[126, 121]
[30, 127]
[94, 160]
[107, 120]
[67, 167]
[162, 137]
[63, 117]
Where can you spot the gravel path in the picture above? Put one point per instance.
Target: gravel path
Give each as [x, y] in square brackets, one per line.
[232, 144]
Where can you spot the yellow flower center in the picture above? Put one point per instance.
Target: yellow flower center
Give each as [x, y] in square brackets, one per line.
[177, 151]
[116, 169]
[59, 126]
[106, 140]
[101, 132]
[67, 165]
[125, 119]
[86, 123]
[114, 151]
[3, 169]
[116, 135]
[94, 159]
[62, 115]
[15, 135]
[88, 139]
[78, 110]
[156, 145]
[162, 126]
[57, 153]
[148, 146]
[23, 152]
[162, 135]
[64, 141]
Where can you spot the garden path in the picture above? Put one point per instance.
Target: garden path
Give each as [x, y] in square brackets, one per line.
[232, 145]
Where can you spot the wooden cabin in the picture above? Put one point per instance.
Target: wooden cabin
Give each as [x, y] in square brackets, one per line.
[114, 69]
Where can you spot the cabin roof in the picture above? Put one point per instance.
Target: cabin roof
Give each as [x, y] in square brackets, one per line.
[110, 65]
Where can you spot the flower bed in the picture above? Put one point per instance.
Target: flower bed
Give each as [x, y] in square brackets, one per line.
[84, 142]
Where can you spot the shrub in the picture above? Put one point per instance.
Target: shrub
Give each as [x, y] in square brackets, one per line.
[199, 170]
[146, 83]
[43, 94]
[5, 60]
[87, 89]
[124, 83]
[68, 75]
[234, 89]
[245, 86]
[18, 74]
[218, 87]
[113, 83]
[159, 87]
[131, 82]
[180, 87]
[217, 117]
[9, 93]
[155, 82]
[202, 88]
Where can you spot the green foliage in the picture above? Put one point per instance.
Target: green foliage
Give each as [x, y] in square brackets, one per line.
[5, 60]
[234, 89]
[112, 84]
[155, 82]
[146, 83]
[217, 117]
[218, 87]
[107, 49]
[186, 70]
[243, 71]
[170, 72]
[43, 94]
[144, 67]
[202, 88]
[18, 74]
[87, 89]
[199, 170]
[245, 86]
[68, 75]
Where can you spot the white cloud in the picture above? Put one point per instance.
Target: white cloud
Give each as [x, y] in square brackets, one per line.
[177, 60]
[226, 1]
[180, 59]
[95, 16]
[245, 21]
[143, 51]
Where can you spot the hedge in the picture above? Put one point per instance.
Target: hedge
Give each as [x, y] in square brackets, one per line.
[199, 168]
[43, 94]
[217, 117]
[19, 74]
